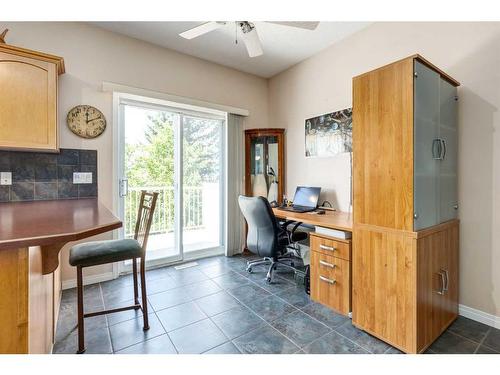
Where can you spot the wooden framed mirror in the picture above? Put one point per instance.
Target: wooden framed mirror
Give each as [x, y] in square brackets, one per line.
[264, 164]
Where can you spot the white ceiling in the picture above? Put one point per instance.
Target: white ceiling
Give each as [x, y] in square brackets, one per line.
[283, 46]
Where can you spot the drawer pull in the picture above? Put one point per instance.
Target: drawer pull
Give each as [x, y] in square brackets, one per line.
[326, 264]
[327, 280]
[329, 248]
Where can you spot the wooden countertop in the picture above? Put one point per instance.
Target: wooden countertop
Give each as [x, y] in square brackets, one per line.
[40, 223]
[331, 219]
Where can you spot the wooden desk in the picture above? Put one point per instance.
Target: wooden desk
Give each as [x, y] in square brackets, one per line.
[331, 219]
[31, 236]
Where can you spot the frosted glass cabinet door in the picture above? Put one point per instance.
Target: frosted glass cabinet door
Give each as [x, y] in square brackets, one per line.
[425, 148]
[448, 196]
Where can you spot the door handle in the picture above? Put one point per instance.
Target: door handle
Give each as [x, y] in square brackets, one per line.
[443, 149]
[447, 279]
[443, 282]
[123, 187]
[437, 148]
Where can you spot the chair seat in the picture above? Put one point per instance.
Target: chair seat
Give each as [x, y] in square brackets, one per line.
[101, 252]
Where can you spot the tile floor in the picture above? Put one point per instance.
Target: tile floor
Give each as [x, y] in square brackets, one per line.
[217, 307]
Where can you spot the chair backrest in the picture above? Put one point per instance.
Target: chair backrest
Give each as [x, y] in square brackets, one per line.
[263, 230]
[147, 207]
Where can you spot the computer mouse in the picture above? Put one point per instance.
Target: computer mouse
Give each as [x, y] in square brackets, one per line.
[320, 212]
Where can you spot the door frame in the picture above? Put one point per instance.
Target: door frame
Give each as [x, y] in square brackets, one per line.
[120, 98]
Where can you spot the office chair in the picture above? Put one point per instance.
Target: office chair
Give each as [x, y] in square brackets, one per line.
[102, 252]
[266, 237]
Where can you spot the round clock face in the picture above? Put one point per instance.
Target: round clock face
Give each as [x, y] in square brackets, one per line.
[86, 121]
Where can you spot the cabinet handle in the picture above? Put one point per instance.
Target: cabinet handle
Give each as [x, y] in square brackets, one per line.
[443, 282]
[437, 149]
[327, 280]
[447, 278]
[329, 248]
[443, 149]
[326, 264]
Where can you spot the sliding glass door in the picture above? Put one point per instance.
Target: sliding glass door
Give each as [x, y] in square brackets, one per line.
[179, 154]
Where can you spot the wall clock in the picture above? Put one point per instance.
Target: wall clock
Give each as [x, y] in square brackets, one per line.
[86, 121]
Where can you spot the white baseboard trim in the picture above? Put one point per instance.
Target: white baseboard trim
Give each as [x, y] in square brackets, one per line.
[479, 316]
[87, 280]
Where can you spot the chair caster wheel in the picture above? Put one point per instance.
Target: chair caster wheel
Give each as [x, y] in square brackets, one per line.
[268, 280]
[249, 270]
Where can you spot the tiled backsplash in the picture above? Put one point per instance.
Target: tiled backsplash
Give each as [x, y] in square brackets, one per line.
[43, 176]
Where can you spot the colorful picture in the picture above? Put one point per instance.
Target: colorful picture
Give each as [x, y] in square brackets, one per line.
[329, 134]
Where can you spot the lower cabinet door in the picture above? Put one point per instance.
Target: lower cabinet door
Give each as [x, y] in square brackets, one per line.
[330, 282]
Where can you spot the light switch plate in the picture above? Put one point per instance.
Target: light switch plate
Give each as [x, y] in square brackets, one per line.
[5, 178]
[82, 177]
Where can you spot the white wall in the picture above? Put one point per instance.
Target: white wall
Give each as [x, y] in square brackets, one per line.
[470, 52]
[93, 55]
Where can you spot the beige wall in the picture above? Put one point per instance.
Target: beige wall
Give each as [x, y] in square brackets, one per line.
[470, 52]
[93, 55]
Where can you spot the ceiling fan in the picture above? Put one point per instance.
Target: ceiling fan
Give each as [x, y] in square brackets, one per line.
[248, 30]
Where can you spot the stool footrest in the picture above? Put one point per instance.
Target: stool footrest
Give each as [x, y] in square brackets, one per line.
[96, 313]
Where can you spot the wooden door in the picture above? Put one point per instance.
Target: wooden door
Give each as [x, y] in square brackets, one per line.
[28, 103]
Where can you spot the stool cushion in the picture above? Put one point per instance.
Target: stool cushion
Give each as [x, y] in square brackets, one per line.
[101, 252]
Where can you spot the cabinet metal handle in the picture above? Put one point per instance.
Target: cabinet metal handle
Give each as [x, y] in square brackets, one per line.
[327, 280]
[329, 248]
[447, 278]
[437, 149]
[443, 282]
[326, 264]
[443, 149]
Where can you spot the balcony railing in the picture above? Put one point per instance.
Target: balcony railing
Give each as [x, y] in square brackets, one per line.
[163, 218]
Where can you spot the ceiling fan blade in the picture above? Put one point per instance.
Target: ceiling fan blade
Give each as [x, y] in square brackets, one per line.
[308, 25]
[202, 29]
[252, 42]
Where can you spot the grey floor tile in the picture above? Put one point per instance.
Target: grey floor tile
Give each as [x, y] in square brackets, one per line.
[300, 328]
[187, 276]
[161, 285]
[485, 350]
[123, 316]
[67, 324]
[215, 269]
[227, 348]
[393, 350]
[449, 343]
[248, 293]
[131, 332]
[169, 298]
[197, 337]
[325, 315]
[265, 340]
[333, 343]
[157, 345]
[217, 303]
[119, 294]
[231, 280]
[92, 297]
[180, 316]
[295, 296]
[470, 329]
[201, 289]
[277, 286]
[237, 321]
[493, 339]
[363, 339]
[270, 308]
[156, 274]
[96, 338]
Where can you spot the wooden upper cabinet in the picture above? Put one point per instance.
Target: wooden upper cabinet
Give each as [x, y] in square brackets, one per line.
[28, 99]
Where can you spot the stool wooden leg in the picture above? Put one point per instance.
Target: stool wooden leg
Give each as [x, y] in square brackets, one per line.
[136, 290]
[81, 327]
[143, 292]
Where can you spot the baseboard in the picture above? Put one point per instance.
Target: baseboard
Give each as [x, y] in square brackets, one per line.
[87, 280]
[479, 316]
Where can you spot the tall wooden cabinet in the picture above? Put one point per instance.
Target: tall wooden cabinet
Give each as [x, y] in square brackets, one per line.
[28, 99]
[405, 236]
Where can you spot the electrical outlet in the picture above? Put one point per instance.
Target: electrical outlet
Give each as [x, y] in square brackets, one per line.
[5, 178]
[82, 177]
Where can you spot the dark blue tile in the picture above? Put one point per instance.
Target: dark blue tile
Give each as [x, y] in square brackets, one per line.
[68, 157]
[449, 343]
[325, 315]
[300, 328]
[5, 161]
[87, 190]
[265, 340]
[270, 308]
[363, 339]
[88, 157]
[22, 191]
[45, 190]
[23, 173]
[470, 329]
[4, 193]
[67, 190]
[46, 173]
[333, 343]
[65, 173]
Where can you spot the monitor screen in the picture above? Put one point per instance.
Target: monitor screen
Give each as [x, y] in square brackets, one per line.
[306, 196]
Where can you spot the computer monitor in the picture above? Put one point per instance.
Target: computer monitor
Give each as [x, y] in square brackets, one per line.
[306, 196]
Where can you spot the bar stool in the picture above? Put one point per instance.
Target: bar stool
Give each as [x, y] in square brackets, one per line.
[102, 252]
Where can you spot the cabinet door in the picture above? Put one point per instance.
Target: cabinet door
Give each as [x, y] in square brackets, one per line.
[448, 197]
[426, 147]
[28, 103]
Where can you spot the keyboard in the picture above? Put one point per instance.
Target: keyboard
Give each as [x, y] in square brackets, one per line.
[298, 209]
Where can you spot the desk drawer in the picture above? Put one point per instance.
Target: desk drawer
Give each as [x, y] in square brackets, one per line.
[331, 281]
[329, 246]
